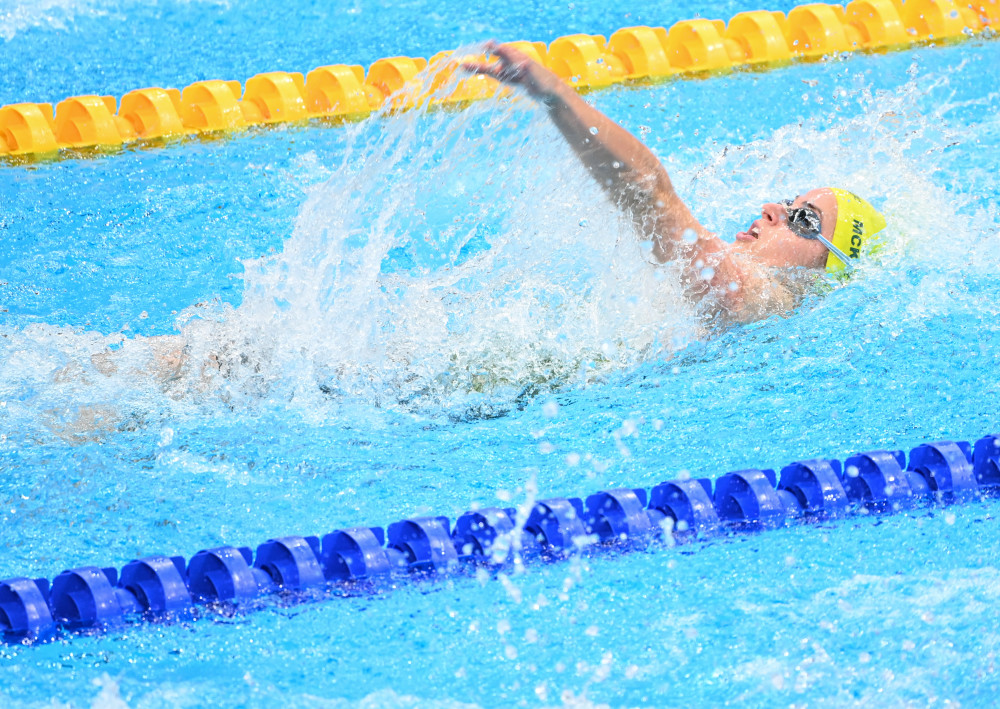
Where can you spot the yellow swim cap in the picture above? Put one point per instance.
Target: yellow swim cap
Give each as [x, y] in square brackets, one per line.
[857, 223]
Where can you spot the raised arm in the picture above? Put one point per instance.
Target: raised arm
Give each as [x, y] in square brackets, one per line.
[626, 169]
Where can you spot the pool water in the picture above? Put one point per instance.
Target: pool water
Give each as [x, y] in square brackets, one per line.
[425, 312]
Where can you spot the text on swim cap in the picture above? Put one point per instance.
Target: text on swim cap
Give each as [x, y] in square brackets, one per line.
[856, 233]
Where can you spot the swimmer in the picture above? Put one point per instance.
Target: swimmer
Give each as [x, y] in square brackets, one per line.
[820, 229]
[741, 281]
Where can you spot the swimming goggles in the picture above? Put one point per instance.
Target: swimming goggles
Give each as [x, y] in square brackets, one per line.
[805, 222]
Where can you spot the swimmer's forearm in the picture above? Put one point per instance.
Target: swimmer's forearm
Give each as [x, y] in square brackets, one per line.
[625, 168]
[620, 163]
[637, 181]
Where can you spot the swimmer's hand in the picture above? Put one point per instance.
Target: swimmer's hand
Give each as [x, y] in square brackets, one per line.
[515, 68]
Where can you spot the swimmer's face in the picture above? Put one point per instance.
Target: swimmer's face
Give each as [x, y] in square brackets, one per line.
[772, 242]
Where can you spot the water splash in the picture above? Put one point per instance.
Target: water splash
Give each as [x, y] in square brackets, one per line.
[462, 262]
[455, 255]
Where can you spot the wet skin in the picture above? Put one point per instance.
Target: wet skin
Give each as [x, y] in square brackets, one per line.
[636, 181]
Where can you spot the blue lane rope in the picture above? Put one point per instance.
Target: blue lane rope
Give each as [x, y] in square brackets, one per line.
[163, 588]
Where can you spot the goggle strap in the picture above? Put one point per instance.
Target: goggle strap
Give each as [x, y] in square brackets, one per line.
[844, 258]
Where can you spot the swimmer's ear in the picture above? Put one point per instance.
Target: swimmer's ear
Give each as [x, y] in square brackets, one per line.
[874, 255]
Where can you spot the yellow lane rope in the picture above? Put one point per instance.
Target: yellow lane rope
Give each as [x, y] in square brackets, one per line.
[341, 92]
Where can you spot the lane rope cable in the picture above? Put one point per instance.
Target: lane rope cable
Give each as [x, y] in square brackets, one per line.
[150, 117]
[361, 560]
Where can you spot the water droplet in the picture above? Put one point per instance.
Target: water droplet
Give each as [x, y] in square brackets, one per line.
[690, 236]
[852, 471]
[616, 165]
[550, 409]
[593, 130]
[707, 273]
[584, 223]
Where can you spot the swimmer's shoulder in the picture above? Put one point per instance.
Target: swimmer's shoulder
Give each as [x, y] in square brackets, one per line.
[760, 293]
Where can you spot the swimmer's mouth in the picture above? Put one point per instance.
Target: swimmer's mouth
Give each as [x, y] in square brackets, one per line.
[751, 234]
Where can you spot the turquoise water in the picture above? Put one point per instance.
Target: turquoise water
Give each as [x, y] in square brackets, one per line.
[79, 47]
[426, 312]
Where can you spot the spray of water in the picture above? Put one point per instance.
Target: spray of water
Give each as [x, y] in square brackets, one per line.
[453, 258]
[463, 262]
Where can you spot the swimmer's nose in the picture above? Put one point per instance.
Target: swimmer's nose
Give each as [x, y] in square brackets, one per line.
[772, 212]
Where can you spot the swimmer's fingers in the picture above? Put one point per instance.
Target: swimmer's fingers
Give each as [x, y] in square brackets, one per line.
[499, 70]
[511, 66]
[496, 70]
[514, 67]
[485, 68]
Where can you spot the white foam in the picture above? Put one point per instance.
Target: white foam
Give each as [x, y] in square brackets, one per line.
[562, 297]
[562, 292]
